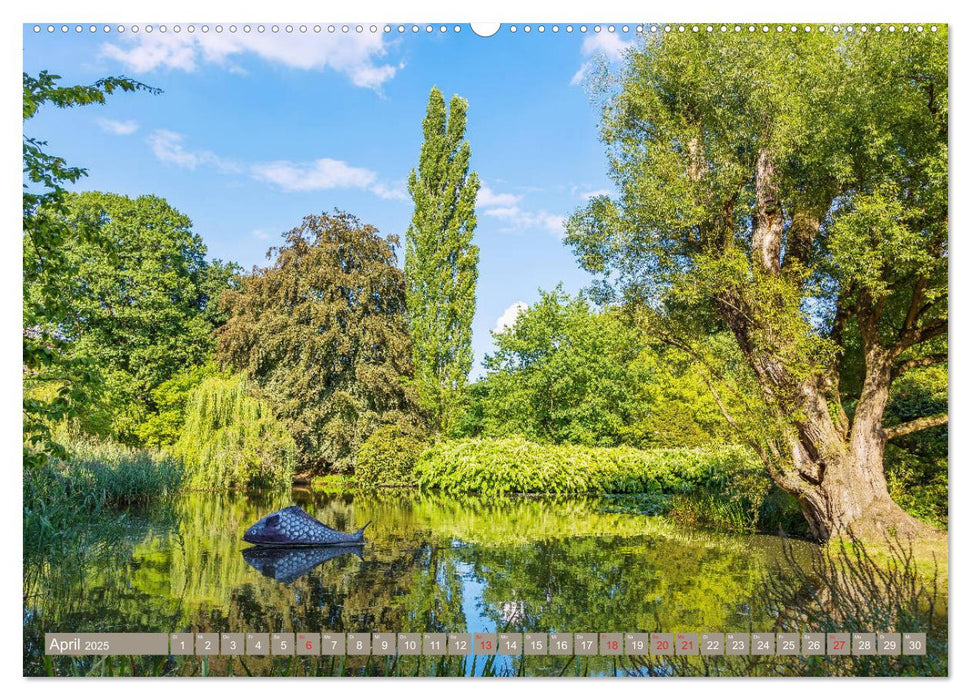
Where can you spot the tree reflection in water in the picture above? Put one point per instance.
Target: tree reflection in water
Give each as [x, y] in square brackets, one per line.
[430, 563]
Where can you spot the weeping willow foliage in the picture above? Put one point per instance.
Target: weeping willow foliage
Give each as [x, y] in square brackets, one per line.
[232, 440]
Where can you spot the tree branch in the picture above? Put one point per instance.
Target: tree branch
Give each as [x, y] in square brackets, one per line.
[925, 361]
[768, 225]
[802, 233]
[913, 426]
[915, 306]
[916, 336]
[931, 330]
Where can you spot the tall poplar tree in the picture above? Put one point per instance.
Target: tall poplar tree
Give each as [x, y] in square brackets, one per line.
[441, 261]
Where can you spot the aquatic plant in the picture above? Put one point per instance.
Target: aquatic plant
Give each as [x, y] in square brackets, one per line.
[64, 501]
[74, 511]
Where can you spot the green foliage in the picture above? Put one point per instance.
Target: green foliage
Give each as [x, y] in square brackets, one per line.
[722, 487]
[232, 440]
[100, 474]
[165, 425]
[337, 483]
[138, 292]
[441, 262]
[916, 464]
[387, 458]
[765, 509]
[64, 382]
[789, 191]
[104, 473]
[678, 407]
[514, 465]
[68, 505]
[323, 332]
[565, 372]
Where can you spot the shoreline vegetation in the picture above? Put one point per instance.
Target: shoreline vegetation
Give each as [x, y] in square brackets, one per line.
[74, 506]
[722, 488]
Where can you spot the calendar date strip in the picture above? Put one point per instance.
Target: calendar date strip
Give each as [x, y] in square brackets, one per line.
[487, 644]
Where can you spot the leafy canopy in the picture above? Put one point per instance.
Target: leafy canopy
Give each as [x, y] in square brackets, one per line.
[790, 188]
[323, 332]
[54, 384]
[566, 372]
[140, 291]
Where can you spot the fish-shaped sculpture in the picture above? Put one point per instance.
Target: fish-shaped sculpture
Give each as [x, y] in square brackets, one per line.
[293, 527]
[287, 564]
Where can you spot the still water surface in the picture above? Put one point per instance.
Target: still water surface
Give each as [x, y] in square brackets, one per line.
[431, 563]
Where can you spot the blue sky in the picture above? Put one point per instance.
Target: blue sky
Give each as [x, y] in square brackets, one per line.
[254, 131]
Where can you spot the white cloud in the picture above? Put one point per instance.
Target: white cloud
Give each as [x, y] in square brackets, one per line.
[396, 191]
[167, 147]
[506, 207]
[260, 234]
[581, 73]
[522, 219]
[289, 176]
[118, 128]
[609, 45]
[321, 174]
[509, 316]
[357, 56]
[488, 198]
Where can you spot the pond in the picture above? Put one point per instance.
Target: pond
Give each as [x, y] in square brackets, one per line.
[432, 563]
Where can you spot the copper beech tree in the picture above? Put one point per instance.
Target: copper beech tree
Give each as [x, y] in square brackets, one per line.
[323, 332]
[789, 188]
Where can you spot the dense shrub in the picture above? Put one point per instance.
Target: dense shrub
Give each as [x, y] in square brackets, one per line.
[232, 440]
[515, 465]
[388, 458]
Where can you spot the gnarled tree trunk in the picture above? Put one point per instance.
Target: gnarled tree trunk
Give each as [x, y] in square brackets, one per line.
[832, 466]
[834, 469]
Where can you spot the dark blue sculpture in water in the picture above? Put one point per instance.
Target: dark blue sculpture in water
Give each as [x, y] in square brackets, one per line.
[287, 564]
[293, 527]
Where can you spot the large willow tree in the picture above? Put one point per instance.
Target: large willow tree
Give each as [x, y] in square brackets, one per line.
[231, 439]
[441, 261]
[790, 188]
